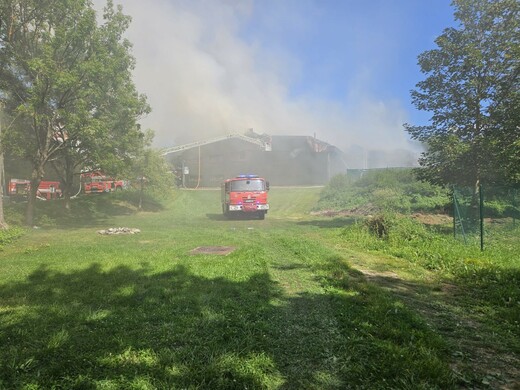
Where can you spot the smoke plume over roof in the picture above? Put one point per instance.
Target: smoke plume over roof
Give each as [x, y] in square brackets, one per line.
[215, 67]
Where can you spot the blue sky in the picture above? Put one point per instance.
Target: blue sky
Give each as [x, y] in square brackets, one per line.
[340, 70]
[337, 41]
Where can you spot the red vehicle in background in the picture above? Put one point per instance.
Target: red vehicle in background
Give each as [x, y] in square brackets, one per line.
[245, 194]
[97, 182]
[47, 190]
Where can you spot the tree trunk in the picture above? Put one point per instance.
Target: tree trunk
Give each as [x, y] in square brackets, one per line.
[67, 189]
[66, 195]
[141, 194]
[3, 224]
[65, 172]
[68, 181]
[29, 211]
[474, 212]
[36, 178]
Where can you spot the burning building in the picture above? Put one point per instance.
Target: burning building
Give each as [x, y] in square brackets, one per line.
[283, 160]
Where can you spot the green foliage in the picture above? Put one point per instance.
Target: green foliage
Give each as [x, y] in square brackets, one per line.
[13, 214]
[68, 84]
[45, 221]
[86, 210]
[378, 225]
[338, 183]
[399, 328]
[395, 229]
[152, 175]
[7, 236]
[494, 274]
[472, 89]
[152, 172]
[382, 191]
[149, 200]
[500, 202]
[302, 302]
[283, 310]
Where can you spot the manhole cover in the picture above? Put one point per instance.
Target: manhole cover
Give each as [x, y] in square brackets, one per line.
[212, 250]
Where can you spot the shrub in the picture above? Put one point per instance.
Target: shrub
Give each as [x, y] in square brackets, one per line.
[378, 225]
[45, 221]
[388, 199]
[9, 235]
[387, 190]
[397, 229]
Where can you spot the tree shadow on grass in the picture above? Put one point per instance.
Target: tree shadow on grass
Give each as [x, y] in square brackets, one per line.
[216, 217]
[330, 223]
[126, 326]
[482, 351]
[90, 210]
[123, 328]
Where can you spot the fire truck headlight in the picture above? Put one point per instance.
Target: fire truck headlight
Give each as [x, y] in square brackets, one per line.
[233, 207]
[263, 207]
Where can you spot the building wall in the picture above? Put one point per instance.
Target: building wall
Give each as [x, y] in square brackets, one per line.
[209, 165]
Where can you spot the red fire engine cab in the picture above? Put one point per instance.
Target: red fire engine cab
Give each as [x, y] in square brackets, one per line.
[97, 182]
[245, 194]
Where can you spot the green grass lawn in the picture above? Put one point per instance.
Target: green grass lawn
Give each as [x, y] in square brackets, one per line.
[294, 306]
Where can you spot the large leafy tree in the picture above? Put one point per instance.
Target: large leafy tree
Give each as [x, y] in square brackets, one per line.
[472, 89]
[38, 42]
[67, 80]
[102, 131]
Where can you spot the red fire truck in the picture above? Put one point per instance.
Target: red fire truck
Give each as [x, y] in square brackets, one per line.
[47, 190]
[245, 194]
[97, 182]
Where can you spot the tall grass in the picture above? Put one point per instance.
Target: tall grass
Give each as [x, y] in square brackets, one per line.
[481, 289]
[492, 276]
[382, 190]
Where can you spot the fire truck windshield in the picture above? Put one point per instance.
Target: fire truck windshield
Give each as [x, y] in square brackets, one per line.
[248, 185]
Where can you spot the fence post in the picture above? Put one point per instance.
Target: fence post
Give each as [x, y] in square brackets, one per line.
[514, 206]
[454, 214]
[481, 196]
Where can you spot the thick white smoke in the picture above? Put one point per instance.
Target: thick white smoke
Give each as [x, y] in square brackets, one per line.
[203, 79]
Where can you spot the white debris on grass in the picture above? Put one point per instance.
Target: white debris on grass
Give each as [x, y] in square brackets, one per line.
[120, 230]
